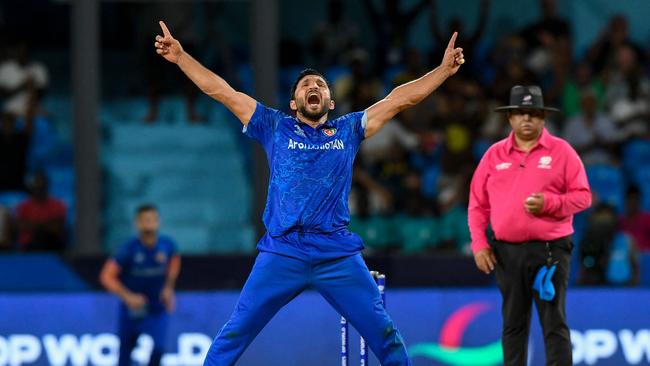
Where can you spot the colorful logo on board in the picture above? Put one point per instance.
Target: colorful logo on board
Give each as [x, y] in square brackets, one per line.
[448, 350]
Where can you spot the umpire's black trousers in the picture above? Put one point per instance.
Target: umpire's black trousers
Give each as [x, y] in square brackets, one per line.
[517, 265]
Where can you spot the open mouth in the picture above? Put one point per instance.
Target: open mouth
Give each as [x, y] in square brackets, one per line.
[313, 100]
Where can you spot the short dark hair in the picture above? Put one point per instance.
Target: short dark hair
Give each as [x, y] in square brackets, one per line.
[302, 74]
[145, 208]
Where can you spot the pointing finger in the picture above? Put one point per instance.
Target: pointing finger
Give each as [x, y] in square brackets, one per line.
[164, 29]
[452, 41]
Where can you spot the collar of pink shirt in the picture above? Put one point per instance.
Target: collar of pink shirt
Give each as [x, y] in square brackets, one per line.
[544, 141]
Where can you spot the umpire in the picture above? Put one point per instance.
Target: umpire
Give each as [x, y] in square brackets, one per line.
[528, 186]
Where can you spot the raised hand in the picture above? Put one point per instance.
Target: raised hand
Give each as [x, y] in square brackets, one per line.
[453, 57]
[167, 46]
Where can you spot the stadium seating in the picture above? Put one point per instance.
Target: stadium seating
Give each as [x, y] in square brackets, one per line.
[378, 232]
[195, 174]
[608, 184]
[417, 234]
[636, 154]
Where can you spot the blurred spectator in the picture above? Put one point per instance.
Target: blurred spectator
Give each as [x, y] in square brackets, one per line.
[360, 88]
[628, 93]
[394, 133]
[368, 196]
[181, 16]
[551, 24]
[392, 171]
[453, 201]
[467, 41]
[636, 222]
[41, 218]
[580, 81]
[607, 254]
[391, 25]
[602, 53]
[508, 56]
[20, 77]
[5, 229]
[415, 204]
[592, 134]
[330, 48]
[543, 36]
[413, 68]
[14, 147]
[457, 123]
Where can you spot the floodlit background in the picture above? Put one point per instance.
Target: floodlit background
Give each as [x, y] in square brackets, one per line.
[95, 119]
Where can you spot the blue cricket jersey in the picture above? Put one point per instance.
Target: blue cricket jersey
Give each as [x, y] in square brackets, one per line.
[144, 269]
[310, 170]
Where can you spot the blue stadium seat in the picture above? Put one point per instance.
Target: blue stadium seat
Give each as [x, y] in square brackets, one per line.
[246, 79]
[377, 232]
[195, 174]
[636, 154]
[608, 183]
[417, 234]
[454, 228]
[642, 180]
[11, 199]
[42, 145]
[430, 181]
[333, 73]
[59, 108]
[479, 148]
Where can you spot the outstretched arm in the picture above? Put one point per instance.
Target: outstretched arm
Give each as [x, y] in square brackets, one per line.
[240, 104]
[413, 92]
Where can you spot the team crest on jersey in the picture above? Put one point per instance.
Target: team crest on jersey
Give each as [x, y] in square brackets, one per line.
[329, 131]
[161, 257]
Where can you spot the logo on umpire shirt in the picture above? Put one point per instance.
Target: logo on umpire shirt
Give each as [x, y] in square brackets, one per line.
[329, 131]
[503, 166]
[545, 162]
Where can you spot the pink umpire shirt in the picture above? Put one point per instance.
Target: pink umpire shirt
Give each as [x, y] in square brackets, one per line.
[506, 176]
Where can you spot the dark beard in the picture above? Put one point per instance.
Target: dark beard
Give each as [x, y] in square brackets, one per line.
[315, 116]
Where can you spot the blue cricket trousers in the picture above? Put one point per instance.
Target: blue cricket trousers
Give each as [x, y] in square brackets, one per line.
[155, 325]
[276, 279]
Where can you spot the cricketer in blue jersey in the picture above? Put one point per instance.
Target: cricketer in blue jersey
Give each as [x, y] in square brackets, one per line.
[307, 244]
[142, 273]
